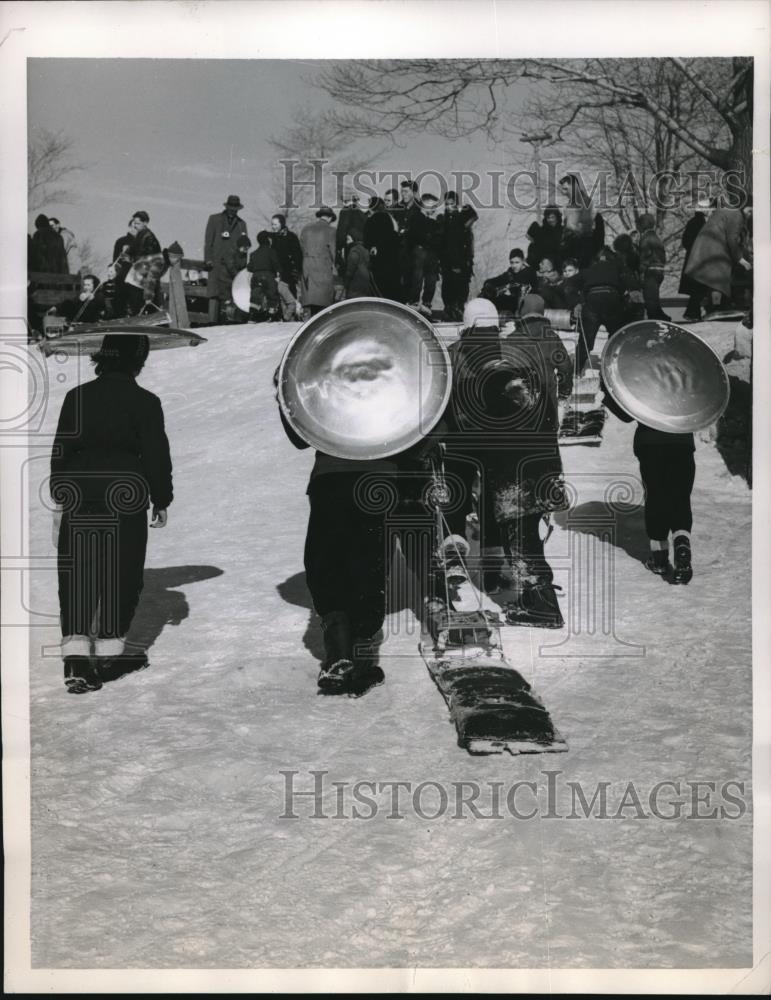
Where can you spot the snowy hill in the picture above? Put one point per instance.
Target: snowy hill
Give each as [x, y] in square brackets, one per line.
[158, 840]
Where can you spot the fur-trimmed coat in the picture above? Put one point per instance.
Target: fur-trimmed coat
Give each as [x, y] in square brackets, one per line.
[511, 429]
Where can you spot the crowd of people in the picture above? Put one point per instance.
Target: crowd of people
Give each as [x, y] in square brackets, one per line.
[403, 247]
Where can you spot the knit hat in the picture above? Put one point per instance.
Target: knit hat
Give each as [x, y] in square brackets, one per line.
[533, 305]
[175, 248]
[128, 347]
[480, 312]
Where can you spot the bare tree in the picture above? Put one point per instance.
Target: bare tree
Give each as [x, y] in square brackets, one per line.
[462, 97]
[299, 182]
[49, 163]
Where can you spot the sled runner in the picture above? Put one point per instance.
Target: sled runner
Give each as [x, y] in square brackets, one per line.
[492, 706]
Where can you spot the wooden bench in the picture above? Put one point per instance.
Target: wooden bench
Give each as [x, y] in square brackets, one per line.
[51, 289]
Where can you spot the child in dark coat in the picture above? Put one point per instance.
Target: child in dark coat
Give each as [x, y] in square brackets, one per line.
[653, 259]
[667, 470]
[109, 462]
[265, 267]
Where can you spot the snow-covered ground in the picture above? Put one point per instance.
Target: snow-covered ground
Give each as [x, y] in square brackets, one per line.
[158, 837]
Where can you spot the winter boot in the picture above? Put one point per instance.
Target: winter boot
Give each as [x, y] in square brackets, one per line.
[80, 675]
[338, 666]
[536, 607]
[683, 571]
[658, 562]
[367, 672]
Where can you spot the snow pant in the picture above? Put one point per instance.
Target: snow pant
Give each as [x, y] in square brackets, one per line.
[651, 283]
[101, 558]
[519, 537]
[454, 292]
[345, 558]
[667, 474]
[264, 294]
[413, 276]
[430, 277]
[604, 307]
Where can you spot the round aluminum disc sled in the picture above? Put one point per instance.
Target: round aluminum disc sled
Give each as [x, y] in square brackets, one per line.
[364, 379]
[665, 376]
[88, 339]
[241, 290]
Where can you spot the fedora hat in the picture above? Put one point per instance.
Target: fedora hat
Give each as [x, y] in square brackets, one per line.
[325, 212]
[233, 201]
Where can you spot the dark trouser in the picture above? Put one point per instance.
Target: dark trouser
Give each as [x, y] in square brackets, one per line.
[345, 558]
[667, 475]
[134, 299]
[454, 292]
[697, 295]
[604, 307]
[524, 545]
[264, 286]
[413, 277]
[651, 283]
[101, 558]
[519, 536]
[430, 276]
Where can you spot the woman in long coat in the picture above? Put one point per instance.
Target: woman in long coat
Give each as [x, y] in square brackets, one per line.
[381, 238]
[48, 254]
[718, 248]
[318, 246]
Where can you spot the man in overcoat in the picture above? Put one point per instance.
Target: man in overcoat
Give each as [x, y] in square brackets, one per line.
[721, 245]
[318, 246]
[222, 231]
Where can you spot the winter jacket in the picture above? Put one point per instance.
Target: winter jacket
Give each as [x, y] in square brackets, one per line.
[290, 255]
[358, 281]
[111, 447]
[652, 252]
[692, 229]
[221, 232]
[48, 254]
[351, 223]
[414, 226]
[318, 246]
[717, 249]
[514, 440]
[264, 260]
[382, 240]
[505, 290]
[457, 248]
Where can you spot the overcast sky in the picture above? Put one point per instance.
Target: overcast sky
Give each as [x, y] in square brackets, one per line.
[176, 136]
